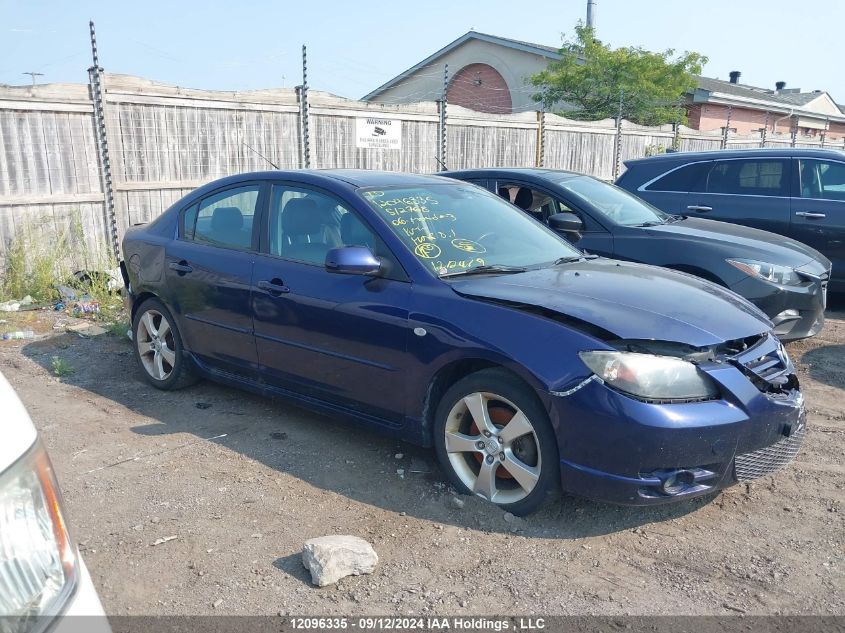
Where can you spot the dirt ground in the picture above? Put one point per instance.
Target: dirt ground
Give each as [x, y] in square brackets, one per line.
[199, 501]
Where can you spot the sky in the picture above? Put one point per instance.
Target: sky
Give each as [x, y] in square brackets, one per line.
[353, 47]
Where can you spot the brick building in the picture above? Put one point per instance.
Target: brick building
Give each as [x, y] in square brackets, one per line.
[779, 109]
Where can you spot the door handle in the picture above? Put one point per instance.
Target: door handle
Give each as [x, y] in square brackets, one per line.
[182, 267]
[699, 208]
[274, 287]
[810, 215]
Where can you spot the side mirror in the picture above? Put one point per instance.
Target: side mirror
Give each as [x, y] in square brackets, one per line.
[352, 260]
[566, 222]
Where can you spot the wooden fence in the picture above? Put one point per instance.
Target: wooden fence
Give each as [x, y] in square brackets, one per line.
[165, 140]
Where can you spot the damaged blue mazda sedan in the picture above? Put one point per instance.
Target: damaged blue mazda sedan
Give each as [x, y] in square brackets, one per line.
[434, 311]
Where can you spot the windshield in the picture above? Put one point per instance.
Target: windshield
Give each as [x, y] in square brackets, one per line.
[616, 204]
[458, 227]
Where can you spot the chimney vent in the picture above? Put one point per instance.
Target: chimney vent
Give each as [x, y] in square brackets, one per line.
[780, 85]
[735, 74]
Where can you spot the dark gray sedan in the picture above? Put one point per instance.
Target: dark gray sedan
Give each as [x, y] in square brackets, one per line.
[784, 278]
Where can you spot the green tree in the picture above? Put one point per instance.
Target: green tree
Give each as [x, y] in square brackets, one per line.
[590, 77]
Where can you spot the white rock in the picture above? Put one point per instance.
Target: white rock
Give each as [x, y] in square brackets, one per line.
[330, 558]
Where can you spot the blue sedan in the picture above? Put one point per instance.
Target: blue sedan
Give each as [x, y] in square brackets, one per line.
[434, 311]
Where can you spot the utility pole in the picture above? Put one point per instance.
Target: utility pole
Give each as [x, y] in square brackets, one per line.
[33, 75]
[591, 14]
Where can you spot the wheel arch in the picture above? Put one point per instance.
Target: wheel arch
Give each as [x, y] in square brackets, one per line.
[448, 375]
[140, 299]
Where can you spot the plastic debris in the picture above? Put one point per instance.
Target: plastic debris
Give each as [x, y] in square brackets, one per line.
[67, 293]
[86, 306]
[20, 334]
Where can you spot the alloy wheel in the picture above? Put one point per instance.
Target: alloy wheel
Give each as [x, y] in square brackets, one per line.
[493, 447]
[156, 347]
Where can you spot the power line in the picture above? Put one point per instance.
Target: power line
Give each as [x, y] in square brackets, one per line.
[33, 74]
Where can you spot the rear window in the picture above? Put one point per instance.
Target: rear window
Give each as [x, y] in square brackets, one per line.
[763, 177]
[682, 179]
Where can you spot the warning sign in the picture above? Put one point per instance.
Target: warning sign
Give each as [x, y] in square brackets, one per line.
[373, 133]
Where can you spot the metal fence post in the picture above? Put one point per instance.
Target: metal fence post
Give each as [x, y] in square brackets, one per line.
[764, 132]
[541, 139]
[303, 112]
[441, 122]
[617, 156]
[95, 81]
[676, 131]
[727, 129]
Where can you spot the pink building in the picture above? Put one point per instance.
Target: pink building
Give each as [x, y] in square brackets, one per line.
[750, 109]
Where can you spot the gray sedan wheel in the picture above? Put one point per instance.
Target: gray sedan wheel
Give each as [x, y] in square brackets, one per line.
[158, 347]
[493, 439]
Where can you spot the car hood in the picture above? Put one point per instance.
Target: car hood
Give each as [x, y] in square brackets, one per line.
[18, 432]
[745, 242]
[631, 301]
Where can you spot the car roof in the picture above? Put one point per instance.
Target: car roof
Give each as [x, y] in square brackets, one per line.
[355, 177]
[740, 153]
[497, 172]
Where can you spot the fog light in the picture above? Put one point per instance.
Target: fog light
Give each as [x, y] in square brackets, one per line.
[677, 482]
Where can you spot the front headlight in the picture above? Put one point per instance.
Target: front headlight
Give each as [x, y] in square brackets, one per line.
[650, 377]
[38, 564]
[781, 275]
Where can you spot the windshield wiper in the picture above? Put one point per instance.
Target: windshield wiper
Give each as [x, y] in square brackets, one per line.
[652, 223]
[490, 268]
[573, 258]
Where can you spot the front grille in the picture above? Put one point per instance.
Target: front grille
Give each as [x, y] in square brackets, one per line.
[766, 365]
[767, 460]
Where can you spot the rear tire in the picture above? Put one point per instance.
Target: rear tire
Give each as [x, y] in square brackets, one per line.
[493, 438]
[158, 348]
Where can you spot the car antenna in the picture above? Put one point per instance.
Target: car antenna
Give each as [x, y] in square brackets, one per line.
[442, 164]
[275, 166]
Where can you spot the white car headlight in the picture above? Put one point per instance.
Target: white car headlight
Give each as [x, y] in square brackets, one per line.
[781, 275]
[651, 377]
[38, 563]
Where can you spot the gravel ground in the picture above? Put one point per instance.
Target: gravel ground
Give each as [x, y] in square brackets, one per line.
[199, 502]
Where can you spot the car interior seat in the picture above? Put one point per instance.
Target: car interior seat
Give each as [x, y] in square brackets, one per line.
[301, 226]
[810, 185]
[227, 227]
[330, 221]
[524, 198]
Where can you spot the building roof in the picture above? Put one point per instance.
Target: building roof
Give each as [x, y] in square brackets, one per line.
[788, 100]
[787, 97]
[527, 47]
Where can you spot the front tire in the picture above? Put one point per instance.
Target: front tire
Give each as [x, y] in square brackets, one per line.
[158, 347]
[493, 439]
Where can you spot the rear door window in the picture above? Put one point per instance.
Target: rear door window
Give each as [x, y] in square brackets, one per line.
[223, 219]
[752, 177]
[681, 180]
